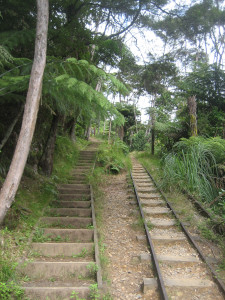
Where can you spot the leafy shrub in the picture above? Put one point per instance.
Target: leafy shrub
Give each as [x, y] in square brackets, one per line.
[139, 141]
[10, 290]
[215, 145]
[112, 156]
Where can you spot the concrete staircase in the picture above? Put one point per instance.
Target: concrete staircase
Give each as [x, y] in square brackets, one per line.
[64, 250]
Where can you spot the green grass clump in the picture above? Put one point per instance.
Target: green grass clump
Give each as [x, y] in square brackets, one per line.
[193, 170]
[113, 157]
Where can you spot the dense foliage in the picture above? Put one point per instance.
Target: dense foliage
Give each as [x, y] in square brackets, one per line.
[193, 166]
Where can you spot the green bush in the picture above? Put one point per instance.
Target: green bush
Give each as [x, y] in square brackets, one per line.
[139, 141]
[215, 145]
[113, 156]
[10, 290]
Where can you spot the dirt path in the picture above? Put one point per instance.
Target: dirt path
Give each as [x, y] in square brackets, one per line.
[120, 230]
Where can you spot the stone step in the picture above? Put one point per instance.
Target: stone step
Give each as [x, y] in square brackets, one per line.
[139, 173]
[167, 239]
[77, 196]
[149, 195]
[151, 283]
[82, 168]
[53, 293]
[84, 164]
[74, 204]
[79, 172]
[86, 152]
[144, 180]
[141, 177]
[77, 181]
[72, 235]
[171, 259]
[85, 161]
[162, 223]
[65, 249]
[86, 167]
[71, 222]
[78, 176]
[178, 259]
[147, 190]
[145, 184]
[63, 270]
[74, 191]
[82, 187]
[152, 203]
[157, 211]
[71, 212]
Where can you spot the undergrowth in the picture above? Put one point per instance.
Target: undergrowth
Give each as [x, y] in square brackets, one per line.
[193, 166]
[113, 156]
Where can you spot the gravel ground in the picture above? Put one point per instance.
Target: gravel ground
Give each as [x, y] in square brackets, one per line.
[124, 270]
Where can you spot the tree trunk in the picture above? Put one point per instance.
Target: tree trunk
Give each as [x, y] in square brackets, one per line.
[110, 127]
[121, 132]
[18, 163]
[11, 127]
[88, 132]
[192, 106]
[46, 162]
[135, 118]
[98, 130]
[104, 128]
[153, 140]
[72, 131]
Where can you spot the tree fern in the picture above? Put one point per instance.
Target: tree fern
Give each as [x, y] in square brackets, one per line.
[5, 57]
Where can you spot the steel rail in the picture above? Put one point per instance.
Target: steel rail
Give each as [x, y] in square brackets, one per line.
[160, 281]
[219, 282]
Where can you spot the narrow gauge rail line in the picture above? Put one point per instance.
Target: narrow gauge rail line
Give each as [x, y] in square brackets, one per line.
[180, 267]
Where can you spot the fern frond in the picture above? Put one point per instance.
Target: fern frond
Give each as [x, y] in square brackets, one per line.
[5, 57]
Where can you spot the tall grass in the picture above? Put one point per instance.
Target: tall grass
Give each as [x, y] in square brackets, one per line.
[193, 170]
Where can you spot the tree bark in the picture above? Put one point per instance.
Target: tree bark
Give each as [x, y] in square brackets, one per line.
[192, 106]
[104, 127]
[11, 127]
[110, 127]
[135, 118]
[153, 141]
[88, 132]
[18, 163]
[46, 162]
[153, 119]
[121, 132]
[72, 131]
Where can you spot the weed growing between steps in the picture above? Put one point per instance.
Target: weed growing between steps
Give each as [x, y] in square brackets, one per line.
[35, 194]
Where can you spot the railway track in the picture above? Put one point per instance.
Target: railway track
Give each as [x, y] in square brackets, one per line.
[180, 269]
